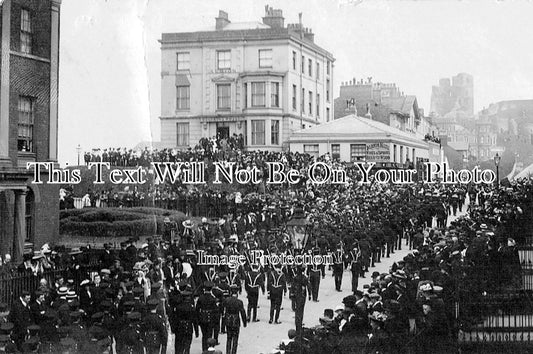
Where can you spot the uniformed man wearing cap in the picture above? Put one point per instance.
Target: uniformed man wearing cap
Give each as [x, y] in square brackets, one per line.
[233, 310]
[254, 281]
[183, 321]
[153, 327]
[338, 268]
[235, 278]
[78, 332]
[356, 266]
[300, 286]
[221, 292]
[208, 312]
[276, 287]
[130, 338]
[315, 271]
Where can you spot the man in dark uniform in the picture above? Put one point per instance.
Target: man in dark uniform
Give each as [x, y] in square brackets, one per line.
[207, 310]
[155, 331]
[338, 268]
[235, 278]
[221, 291]
[130, 338]
[315, 271]
[356, 267]
[300, 286]
[277, 287]
[254, 281]
[233, 310]
[183, 322]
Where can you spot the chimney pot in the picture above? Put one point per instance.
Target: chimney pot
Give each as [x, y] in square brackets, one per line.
[222, 20]
[274, 18]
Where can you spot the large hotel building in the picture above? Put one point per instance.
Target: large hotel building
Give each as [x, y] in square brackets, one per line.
[262, 80]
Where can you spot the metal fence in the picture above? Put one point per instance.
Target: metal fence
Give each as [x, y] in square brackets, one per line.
[13, 284]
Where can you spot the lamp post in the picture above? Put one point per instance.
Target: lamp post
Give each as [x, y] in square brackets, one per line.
[78, 149]
[297, 229]
[497, 159]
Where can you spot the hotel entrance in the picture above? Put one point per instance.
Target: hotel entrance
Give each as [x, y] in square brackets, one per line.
[222, 130]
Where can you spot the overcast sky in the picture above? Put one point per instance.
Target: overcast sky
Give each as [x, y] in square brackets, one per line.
[110, 58]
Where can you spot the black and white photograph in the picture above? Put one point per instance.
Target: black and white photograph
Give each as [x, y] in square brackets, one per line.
[276, 177]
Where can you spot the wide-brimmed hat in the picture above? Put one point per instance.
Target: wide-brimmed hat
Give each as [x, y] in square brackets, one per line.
[37, 255]
[75, 251]
[188, 224]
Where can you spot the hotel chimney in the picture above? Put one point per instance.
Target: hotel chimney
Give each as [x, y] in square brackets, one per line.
[222, 20]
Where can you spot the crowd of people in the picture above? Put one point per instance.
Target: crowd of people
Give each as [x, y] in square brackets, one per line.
[212, 148]
[143, 291]
[429, 137]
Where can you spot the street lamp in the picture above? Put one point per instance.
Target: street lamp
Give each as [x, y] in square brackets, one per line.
[497, 159]
[78, 149]
[297, 229]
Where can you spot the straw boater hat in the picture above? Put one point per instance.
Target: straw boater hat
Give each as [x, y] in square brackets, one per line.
[37, 255]
[188, 224]
[75, 251]
[221, 222]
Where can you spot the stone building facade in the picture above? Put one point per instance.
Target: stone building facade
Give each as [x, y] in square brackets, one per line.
[259, 80]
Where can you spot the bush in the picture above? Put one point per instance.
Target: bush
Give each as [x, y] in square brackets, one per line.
[116, 222]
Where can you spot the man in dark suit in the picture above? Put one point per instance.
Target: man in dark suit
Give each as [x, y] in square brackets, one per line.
[233, 310]
[38, 307]
[21, 317]
[107, 258]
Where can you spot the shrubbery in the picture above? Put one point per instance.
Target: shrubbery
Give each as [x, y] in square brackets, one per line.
[115, 222]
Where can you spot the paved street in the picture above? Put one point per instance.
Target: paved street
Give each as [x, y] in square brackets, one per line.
[261, 337]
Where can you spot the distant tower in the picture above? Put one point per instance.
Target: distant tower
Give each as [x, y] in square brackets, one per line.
[455, 95]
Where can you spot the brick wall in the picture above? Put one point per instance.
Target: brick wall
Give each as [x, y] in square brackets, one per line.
[41, 21]
[30, 78]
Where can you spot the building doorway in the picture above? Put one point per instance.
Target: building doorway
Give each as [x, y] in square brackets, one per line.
[222, 132]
